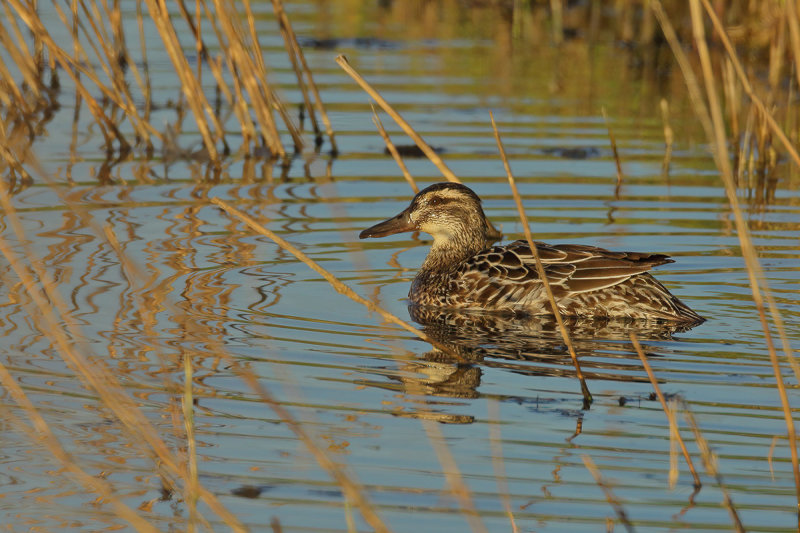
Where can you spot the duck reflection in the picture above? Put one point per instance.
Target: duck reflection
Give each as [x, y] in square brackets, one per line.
[530, 345]
[508, 332]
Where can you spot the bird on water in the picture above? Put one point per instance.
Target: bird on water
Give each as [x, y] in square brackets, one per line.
[463, 271]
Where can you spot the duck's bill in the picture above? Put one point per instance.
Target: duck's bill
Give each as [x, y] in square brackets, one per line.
[397, 224]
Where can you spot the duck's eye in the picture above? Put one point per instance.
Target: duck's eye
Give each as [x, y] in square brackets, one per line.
[434, 201]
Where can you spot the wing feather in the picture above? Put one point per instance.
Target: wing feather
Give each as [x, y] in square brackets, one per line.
[503, 273]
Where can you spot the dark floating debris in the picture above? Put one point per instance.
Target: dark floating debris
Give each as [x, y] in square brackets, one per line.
[248, 491]
[578, 152]
[359, 42]
[411, 150]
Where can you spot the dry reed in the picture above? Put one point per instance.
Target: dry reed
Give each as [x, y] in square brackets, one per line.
[612, 500]
[192, 480]
[709, 111]
[587, 396]
[747, 248]
[770, 455]
[673, 424]
[13, 153]
[340, 287]
[449, 466]
[617, 162]
[350, 488]
[429, 152]
[739, 70]
[41, 434]
[46, 300]
[754, 271]
[392, 150]
[669, 137]
[98, 60]
[495, 444]
[295, 53]
[710, 464]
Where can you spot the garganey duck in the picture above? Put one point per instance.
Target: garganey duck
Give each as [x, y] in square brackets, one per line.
[464, 272]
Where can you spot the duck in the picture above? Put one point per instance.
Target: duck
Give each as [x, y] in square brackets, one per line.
[464, 271]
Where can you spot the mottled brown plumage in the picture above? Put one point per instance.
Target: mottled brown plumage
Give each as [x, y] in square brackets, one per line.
[462, 270]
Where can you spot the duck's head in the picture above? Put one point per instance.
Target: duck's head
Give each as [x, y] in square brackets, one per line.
[450, 212]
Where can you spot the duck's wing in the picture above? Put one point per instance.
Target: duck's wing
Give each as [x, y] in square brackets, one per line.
[594, 268]
[508, 273]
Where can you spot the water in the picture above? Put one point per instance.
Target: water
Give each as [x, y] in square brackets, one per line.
[511, 413]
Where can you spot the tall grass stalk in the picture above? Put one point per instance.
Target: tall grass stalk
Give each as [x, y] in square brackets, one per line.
[245, 60]
[669, 137]
[708, 111]
[794, 35]
[13, 153]
[109, 56]
[754, 271]
[393, 150]
[41, 434]
[11, 95]
[192, 89]
[730, 187]
[587, 396]
[615, 152]
[76, 70]
[450, 468]
[18, 51]
[94, 373]
[673, 424]
[98, 60]
[235, 98]
[429, 152]
[192, 480]
[496, 447]
[622, 516]
[295, 52]
[743, 79]
[710, 464]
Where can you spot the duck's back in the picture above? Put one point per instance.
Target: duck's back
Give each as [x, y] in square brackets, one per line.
[585, 280]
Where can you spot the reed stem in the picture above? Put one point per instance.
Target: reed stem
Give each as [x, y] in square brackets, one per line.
[340, 287]
[610, 497]
[587, 396]
[710, 464]
[42, 434]
[406, 127]
[673, 424]
[392, 150]
[754, 271]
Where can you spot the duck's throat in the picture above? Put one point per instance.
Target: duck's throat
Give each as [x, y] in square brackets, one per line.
[432, 284]
[447, 253]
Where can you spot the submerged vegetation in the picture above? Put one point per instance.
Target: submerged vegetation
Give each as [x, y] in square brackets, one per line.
[740, 64]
